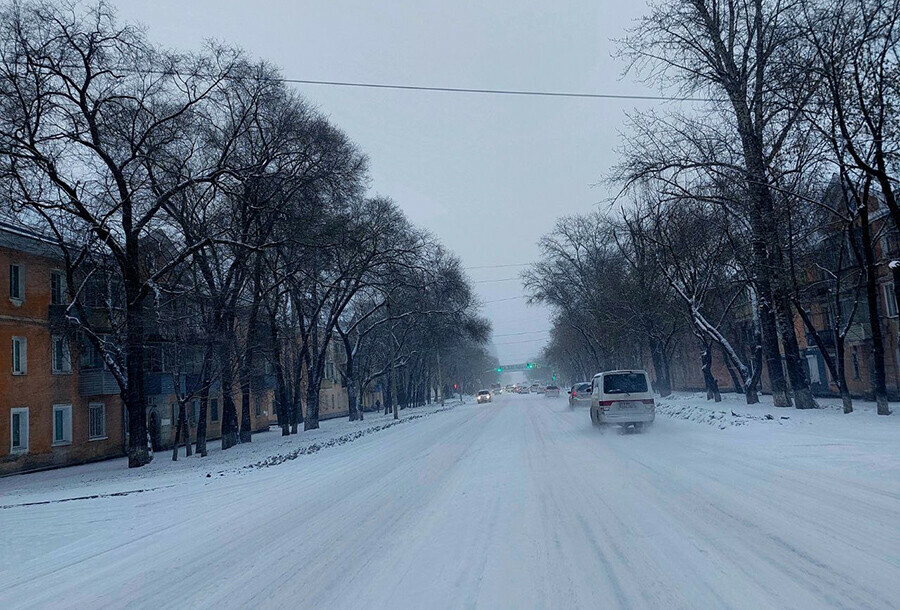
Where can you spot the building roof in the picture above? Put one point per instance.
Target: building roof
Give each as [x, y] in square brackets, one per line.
[21, 238]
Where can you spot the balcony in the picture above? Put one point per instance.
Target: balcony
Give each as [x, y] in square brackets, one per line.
[827, 337]
[96, 382]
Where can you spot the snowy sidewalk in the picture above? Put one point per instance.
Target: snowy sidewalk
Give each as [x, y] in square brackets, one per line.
[734, 411]
[113, 477]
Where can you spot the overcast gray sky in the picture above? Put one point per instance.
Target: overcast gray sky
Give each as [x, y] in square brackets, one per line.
[487, 174]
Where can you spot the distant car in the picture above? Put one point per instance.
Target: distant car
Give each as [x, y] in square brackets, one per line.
[580, 394]
[536, 388]
[551, 391]
[522, 389]
[510, 388]
[622, 397]
[497, 388]
[483, 396]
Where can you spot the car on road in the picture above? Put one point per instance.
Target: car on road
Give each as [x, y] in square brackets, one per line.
[536, 388]
[496, 388]
[580, 394]
[624, 398]
[551, 391]
[483, 396]
[510, 388]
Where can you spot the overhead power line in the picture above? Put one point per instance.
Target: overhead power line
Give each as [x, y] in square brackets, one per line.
[506, 299]
[503, 279]
[521, 92]
[498, 266]
[522, 341]
[529, 332]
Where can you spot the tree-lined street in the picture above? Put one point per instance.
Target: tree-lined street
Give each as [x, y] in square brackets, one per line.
[517, 503]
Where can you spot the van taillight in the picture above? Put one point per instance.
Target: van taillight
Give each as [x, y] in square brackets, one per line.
[606, 403]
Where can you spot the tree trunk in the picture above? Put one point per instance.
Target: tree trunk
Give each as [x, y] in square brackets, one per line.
[311, 420]
[712, 386]
[186, 437]
[836, 366]
[660, 366]
[879, 386]
[353, 401]
[393, 391]
[764, 234]
[133, 396]
[751, 389]
[178, 430]
[735, 380]
[840, 350]
[201, 422]
[224, 339]
[803, 398]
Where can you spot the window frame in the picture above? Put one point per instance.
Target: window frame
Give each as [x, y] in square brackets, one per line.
[66, 369]
[22, 343]
[91, 407]
[57, 299]
[890, 300]
[66, 409]
[19, 284]
[23, 447]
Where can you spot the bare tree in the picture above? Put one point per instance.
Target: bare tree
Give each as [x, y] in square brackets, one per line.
[99, 132]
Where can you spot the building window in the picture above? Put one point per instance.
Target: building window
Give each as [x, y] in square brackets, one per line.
[19, 355]
[195, 411]
[329, 371]
[62, 424]
[258, 408]
[214, 409]
[854, 359]
[16, 283]
[62, 357]
[97, 412]
[813, 363]
[57, 288]
[890, 300]
[18, 430]
[91, 358]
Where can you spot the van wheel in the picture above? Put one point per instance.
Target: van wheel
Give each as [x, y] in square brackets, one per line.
[594, 417]
[638, 426]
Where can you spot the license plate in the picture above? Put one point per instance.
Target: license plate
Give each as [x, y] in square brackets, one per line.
[627, 405]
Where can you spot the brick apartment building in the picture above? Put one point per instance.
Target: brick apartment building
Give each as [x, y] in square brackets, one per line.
[59, 403]
[51, 411]
[858, 355]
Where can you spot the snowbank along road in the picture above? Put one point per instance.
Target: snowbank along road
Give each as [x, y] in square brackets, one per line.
[519, 503]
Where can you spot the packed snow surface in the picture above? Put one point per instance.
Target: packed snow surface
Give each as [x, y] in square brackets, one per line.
[518, 503]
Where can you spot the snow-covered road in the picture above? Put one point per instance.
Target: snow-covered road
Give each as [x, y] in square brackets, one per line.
[520, 503]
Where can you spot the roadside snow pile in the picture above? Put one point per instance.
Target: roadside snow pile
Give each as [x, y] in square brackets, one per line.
[734, 411]
[113, 477]
[274, 460]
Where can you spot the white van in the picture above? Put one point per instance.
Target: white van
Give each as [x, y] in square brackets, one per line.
[622, 397]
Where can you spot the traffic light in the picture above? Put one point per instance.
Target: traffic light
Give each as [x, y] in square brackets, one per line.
[554, 376]
[499, 369]
[529, 365]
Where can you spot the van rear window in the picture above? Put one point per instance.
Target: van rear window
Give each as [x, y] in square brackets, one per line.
[624, 383]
